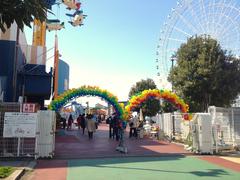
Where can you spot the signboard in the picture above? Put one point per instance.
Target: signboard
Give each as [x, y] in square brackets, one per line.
[19, 124]
[29, 107]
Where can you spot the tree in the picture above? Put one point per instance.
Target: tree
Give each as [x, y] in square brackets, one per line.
[205, 74]
[22, 12]
[168, 107]
[152, 106]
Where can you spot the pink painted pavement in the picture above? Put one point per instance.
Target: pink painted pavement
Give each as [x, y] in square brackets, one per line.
[49, 170]
[222, 162]
[75, 145]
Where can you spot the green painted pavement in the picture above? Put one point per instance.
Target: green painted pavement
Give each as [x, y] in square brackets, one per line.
[147, 168]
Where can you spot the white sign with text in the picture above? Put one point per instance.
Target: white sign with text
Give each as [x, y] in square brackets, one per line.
[18, 124]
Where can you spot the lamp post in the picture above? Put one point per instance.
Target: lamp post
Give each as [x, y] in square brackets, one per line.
[88, 110]
[173, 58]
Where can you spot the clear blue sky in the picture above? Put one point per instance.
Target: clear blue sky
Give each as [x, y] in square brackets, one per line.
[116, 46]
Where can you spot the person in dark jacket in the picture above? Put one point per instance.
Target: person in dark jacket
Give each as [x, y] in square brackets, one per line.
[109, 121]
[115, 124]
[83, 122]
[70, 121]
[63, 120]
[78, 121]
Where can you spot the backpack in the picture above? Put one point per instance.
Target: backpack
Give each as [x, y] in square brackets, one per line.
[108, 120]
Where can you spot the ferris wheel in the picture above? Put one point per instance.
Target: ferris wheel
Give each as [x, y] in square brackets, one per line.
[218, 18]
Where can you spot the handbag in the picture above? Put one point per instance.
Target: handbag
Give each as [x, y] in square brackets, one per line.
[131, 124]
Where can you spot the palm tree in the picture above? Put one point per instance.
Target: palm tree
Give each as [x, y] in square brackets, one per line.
[22, 12]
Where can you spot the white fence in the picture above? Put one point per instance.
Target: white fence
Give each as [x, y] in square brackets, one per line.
[166, 120]
[45, 135]
[17, 140]
[226, 121]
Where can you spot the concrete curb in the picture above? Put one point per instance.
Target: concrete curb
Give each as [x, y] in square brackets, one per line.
[19, 172]
[16, 175]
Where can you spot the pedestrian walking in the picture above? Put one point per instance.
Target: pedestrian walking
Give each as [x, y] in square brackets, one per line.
[63, 120]
[91, 125]
[133, 127]
[83, 123]
[116, 123]
[109, 121]
[70, 121]
[78, 121]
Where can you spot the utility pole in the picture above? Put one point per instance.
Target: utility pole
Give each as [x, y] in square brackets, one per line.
[56, 61]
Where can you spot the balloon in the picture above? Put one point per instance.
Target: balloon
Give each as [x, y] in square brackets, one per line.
[136, 100]
[68, 95]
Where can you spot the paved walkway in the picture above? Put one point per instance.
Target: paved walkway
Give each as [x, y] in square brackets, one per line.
[72, 144]
[77, 157]
[232, 159]
[151, 168]
[177, 167]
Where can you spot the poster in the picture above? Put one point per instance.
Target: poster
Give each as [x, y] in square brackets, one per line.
[18, 124]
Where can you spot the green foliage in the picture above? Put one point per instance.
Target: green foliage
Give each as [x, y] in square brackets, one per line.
[152, 106]
[21, 11]
[5, 171]
[205, 74]
[167, 107]
[141, 86]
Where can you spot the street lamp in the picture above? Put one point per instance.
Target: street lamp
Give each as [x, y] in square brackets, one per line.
[173, 58]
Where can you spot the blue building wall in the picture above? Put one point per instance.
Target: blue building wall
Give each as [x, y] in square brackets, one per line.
[32, 80]
[7, 58]
[63, 76]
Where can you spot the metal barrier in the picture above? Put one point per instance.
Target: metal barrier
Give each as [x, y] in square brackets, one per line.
[227, 124]
[14, 147]
[165, 123]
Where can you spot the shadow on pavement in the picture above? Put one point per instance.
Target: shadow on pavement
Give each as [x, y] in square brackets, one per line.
[73, 144]
[211, 172]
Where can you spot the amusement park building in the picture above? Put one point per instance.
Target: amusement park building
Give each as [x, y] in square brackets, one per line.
[63, 76]
[22, 69]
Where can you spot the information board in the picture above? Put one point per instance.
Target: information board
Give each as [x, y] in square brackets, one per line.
[19, 124]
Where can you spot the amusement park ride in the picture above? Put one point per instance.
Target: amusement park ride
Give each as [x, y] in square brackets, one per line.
[77, 18]
[39, 30]
[54, 24]
[72, 4]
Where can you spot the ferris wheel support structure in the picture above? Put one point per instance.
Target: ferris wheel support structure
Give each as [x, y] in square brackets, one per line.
[219, 19]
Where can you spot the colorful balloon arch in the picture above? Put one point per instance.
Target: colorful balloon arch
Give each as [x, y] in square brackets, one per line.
[68, 95]
[138, 99]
